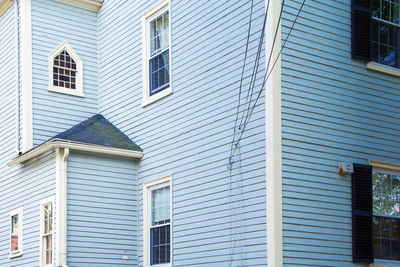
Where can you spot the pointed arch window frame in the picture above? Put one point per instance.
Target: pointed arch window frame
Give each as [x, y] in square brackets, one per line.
[78, 91]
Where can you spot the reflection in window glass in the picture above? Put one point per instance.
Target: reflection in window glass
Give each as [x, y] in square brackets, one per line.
[386, 219]
[14, 233]
[159, 53]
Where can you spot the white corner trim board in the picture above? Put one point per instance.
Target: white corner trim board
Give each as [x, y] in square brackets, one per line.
[383, 69]
[4, 6]
[61, 143]
[61, 206]
[273, 140]
[91, 5]
[26, 74]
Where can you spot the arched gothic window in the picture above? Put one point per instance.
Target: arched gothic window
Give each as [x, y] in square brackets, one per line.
[65, 71]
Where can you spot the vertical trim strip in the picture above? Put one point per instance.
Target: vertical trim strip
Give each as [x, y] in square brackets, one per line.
[273, 140]
[26, 74]
[61, 206]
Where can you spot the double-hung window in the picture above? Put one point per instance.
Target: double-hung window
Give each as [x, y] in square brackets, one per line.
[46, 232]
[386, 32]
[157, 223]
[376, 213]
[156, 53]
[16, 233]
[386, 214]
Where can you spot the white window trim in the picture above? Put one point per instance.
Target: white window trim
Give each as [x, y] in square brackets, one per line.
[19, 212]
[383, 69]
[146, 18]
[79, 69]
[147, 186]
[44, 202]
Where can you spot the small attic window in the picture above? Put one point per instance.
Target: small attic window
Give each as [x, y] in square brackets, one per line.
[65, 71]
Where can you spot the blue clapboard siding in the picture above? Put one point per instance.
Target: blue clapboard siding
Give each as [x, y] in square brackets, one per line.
[333, 110]
[102, 211]
[188, 133]
[25, 187]
[53, 23]
[19, 186]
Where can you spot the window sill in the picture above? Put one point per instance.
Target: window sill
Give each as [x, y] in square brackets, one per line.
[147, 100]
[15, 255]
[384, 263]
[383, 69]
[66, 91]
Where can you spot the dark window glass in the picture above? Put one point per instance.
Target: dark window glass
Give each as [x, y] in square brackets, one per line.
[159, 72]
[160, 245]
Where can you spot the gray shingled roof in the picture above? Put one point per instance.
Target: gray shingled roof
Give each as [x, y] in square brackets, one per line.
[97, 130]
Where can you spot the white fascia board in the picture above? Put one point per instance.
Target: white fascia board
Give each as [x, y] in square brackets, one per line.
[4, 6]
[90, 148]
[273, 129]
[91, 5]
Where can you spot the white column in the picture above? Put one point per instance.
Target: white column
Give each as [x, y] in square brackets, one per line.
[26, 74]
[273, 138]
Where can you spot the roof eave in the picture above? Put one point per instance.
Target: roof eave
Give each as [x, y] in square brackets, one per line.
[92, 5]
[84, 147]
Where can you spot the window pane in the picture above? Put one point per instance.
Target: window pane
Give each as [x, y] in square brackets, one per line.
[376, 8]
[160, 246]
[49, 249]
[159, 72]
[159, 34]
[160, 206]
[14, 223]
[386, 10]
[395, 13]
[376, 193]
[395, 246]
[385, 194]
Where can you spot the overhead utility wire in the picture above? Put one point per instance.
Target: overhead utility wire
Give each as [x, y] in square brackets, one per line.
[232, 239]
[267, 74]
[253, 85]
[244, 64]
[255, 68]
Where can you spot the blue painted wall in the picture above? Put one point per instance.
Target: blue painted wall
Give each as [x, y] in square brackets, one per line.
[102, 211]
[333, 110]
[53, 23]
[188, 133]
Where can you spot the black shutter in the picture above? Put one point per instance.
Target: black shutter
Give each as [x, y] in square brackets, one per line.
[362, 213]
[361, 19]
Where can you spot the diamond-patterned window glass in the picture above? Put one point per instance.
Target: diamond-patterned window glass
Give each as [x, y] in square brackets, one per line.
[64, 71]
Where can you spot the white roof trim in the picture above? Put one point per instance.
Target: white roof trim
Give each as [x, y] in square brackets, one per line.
[4, 6]
[92, 5]
[61, 143]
